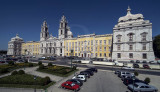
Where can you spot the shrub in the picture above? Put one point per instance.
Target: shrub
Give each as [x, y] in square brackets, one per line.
[20, 72]
[147, 80]
[11, 62]
[26, 61]
[49, 64]
[14, 73]
[45, 81]
[136, 73]
[30, 64]
[74, 67]
[41, 66]
[40, 63]
[3, 70]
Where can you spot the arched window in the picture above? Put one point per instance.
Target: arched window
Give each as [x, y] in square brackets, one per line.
[119, 38]
[130, 35]
[61, 32]
[144, 36]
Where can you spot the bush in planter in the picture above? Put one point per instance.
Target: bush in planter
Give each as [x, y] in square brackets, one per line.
[45, 81]
[30, 64]
[49, 64]
[14, 73]
[136, 73]
[3, 70]
[41, 66]
[40, 63]
[20, 72]
[147, 80]
[11, 62]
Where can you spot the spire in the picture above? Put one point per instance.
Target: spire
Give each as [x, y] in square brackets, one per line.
[16, 35]
[63, 18]
[44, 22]
[128, 11]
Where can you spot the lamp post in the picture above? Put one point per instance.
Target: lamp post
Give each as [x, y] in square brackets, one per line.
[133, 83]
[71, 57]
[35, 83]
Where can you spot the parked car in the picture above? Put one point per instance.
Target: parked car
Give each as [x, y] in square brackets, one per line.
[93, 69]
[128, 68]
[132, 61]
[122, 73]
[117, 71]
[137, 61]
[127, 76]
[70, 85]
[128, 81]
[152, 62]
[146, 66]
[141, 87]
[80, 77]
[89, 71]
[86, 74]
[135, 65]
[76, 81]
[144, 61]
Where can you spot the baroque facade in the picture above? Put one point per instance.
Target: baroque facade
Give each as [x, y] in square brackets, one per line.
[50, 45]
[14, 46]
[132, 38]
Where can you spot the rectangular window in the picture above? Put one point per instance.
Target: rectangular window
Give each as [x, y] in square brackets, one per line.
[104, 42]
[119, 55]
[91, 48]
[88, 42]
[96, 54]
[100, 42]
[96, 48]
[100, 48]
[96, 42]
[110, 48]
[104, 48]
[109, 54]
[144, 46]
[143, 37]
[92, 42]
[118, 38]
[100, 55]
[130, 47]
[88, 49]
[130, 55]
[118, 47]
[104, 54]
[144, 56]
[109, 42]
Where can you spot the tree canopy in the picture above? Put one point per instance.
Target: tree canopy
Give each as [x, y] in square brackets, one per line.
[156, 45]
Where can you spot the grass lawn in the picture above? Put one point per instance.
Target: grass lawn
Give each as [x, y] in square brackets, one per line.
[6, 68]
[24, 81]
[58, 70]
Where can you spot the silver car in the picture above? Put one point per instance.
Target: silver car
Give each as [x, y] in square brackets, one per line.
[141, 87]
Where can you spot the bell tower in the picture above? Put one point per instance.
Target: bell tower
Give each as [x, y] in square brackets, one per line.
[44, 35]
[62, 28]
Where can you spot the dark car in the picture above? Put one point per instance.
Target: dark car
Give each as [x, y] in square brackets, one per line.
[76, 81]
[88, 71]
[128, 81]
[137, 61]
[117, 72]
[86, 74]
[146, 66]
[132, 61]
[144, 61]
[135, 65]
[93, 69]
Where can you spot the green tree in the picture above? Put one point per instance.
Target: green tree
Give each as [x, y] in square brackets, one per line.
[156, 46]
[20, 72]
[147, 80]
[49, 64]
[14, 73]
[136, 73]
[40, 62]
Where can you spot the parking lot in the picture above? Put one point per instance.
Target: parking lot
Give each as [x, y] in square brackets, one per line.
[104, 81]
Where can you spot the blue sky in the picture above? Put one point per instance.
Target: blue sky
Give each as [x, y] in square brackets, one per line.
[84, 16]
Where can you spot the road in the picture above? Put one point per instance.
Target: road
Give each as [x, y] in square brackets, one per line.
[65, 62]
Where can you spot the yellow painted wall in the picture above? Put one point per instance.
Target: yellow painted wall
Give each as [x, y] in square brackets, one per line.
[94, 38]
[32, 48]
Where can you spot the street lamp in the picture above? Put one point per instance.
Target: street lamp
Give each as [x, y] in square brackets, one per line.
[71, 57]
[35, 83]
[133, 82]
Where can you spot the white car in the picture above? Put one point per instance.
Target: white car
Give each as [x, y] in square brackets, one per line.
[128, 68]
[80, 77]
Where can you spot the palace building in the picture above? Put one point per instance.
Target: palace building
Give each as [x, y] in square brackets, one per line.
[132, 38]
